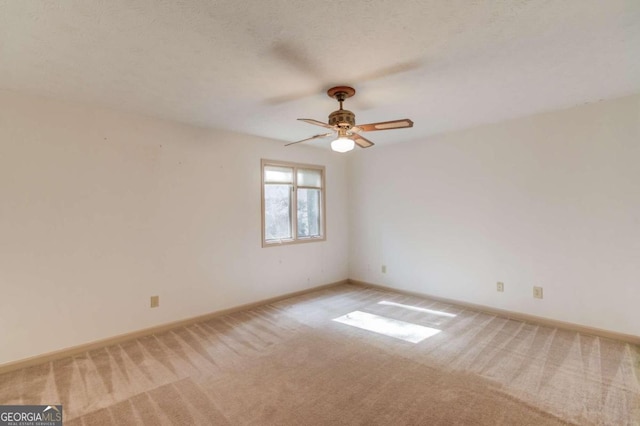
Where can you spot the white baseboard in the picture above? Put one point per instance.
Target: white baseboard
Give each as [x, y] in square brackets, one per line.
[114, 340]
[629, 338]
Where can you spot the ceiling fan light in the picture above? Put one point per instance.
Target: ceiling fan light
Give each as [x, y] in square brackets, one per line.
[342, 144]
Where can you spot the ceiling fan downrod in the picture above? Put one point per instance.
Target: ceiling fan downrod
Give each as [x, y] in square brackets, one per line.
[342, 118]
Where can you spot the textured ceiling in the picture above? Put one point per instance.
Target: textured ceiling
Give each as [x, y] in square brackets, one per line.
[255, 66]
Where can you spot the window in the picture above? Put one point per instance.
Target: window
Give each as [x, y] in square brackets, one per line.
[292, 203]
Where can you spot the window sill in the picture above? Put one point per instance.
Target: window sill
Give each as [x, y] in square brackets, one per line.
[277, 243]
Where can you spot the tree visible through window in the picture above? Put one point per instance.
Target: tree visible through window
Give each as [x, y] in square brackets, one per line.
[293, 197]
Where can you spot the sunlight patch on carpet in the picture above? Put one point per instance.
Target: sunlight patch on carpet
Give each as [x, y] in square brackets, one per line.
[417, 309]
[406, 331]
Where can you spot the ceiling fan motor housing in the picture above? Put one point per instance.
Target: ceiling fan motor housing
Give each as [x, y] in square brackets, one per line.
[342, 118]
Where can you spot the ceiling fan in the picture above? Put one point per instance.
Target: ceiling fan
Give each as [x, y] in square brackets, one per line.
[343, 123]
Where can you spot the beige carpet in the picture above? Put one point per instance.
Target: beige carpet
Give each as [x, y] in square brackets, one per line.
[289, 363]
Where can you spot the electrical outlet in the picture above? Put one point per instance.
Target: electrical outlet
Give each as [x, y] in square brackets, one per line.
[537, 292]
[384, 269]
[155, 301]
[500, 286]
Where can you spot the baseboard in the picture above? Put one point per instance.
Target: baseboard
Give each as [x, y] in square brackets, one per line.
[121, 338]
[629, 338]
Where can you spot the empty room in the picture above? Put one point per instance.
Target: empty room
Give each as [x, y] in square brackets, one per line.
[319, 212]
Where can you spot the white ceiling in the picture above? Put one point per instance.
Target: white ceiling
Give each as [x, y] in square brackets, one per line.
[255, 66]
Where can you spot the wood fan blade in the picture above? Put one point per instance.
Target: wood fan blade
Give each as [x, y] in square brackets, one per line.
[361, 142]
[385, 125]
[324, 135]
[317, 123]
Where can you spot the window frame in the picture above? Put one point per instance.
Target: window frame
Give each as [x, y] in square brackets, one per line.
[294, 203]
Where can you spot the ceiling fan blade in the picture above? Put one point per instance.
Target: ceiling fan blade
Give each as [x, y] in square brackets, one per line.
[324, 135]
[292, 97]
[298, 58]
[317, 123]
[398, 68]
[361, 142]
[385, 125]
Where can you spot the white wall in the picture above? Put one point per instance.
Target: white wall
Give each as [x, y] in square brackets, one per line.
[550, 200]
[99, 210]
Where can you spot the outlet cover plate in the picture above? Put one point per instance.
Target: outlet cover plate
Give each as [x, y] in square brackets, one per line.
[537, 292]
[500, 286]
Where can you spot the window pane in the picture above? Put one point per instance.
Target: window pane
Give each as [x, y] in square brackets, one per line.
[310, 177]
[308, 212]
[278, 174]
[277, 212]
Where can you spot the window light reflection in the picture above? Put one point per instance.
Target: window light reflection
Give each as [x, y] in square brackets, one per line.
[406, 331]
[417, 309]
